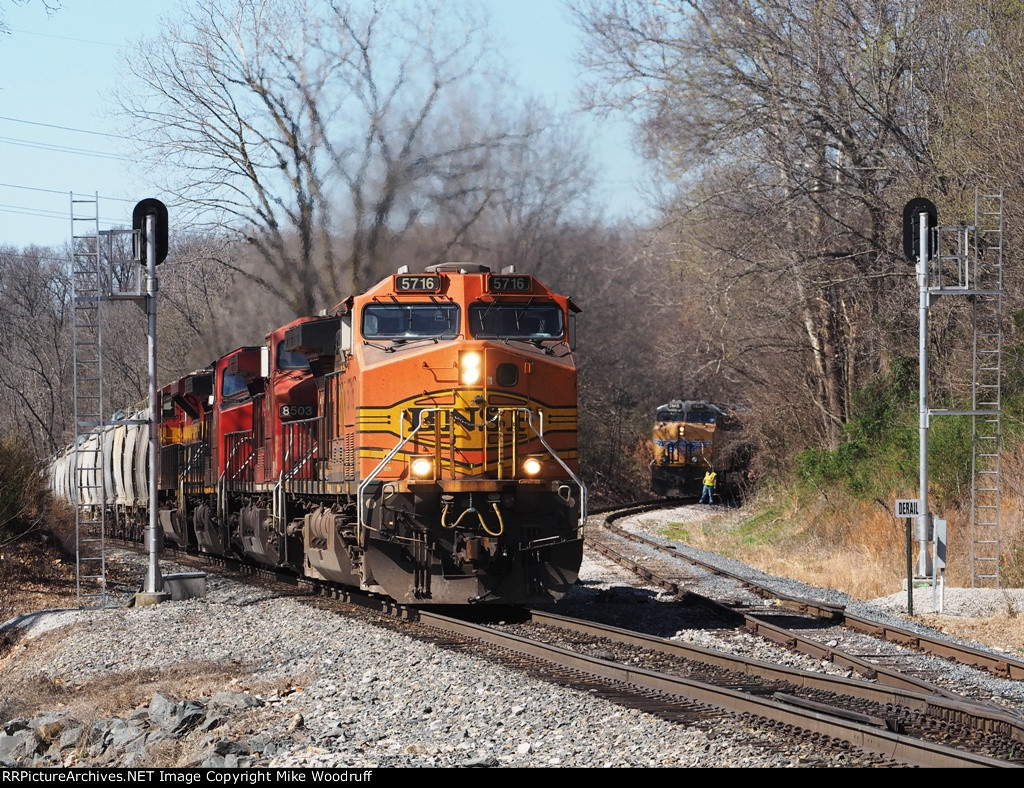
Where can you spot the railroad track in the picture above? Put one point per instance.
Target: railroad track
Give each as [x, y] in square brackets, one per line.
[817, 629]
[867, 723]
[874, 725]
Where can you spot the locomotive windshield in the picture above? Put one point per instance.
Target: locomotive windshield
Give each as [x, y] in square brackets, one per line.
[233, 385]
[529, 321]
[410, 321]
[290, 359]
[695, 413]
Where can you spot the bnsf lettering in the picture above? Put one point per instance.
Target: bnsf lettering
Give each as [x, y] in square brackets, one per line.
[467, 418]
[297, 411]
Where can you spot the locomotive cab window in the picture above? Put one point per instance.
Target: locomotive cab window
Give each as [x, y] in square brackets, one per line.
[233, 386]
[529, 321]
[410, 321]
[289, 359]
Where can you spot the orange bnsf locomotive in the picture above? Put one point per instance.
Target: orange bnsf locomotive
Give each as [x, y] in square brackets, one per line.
[419, 441]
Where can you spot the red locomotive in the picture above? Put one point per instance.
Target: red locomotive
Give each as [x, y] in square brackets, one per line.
[418, 441]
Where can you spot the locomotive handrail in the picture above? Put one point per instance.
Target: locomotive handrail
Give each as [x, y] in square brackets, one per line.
[247, 438]
[191, 457]
[566, 468]
[529, 418]
[290, 428]
[529, 421]
[222, 480]
[380, 466]
[279, 489]
[285, 476]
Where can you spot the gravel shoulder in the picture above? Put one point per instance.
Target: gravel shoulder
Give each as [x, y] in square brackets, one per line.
[240, 678]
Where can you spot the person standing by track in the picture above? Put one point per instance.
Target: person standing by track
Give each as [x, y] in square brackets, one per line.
[708, 494]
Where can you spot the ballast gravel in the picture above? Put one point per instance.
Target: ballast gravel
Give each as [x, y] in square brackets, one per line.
[289, 686]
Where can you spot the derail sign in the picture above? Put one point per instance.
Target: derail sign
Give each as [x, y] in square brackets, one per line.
[907, 507]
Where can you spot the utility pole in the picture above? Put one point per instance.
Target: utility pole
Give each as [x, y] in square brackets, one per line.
[919, 219]
[150, 222]
[924, 516]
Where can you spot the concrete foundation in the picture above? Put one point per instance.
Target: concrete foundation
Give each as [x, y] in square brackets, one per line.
[144, 598]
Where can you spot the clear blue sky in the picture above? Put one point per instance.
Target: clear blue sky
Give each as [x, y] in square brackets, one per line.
[56, 69]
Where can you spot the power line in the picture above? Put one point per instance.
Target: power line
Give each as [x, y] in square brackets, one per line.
[56, 191]
[64, 149]
[66, 128]
[32, 188]
[43, 213]
[25, 210]
[64, 38]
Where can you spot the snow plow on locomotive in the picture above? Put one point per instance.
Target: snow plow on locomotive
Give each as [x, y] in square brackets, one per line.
[417, 441]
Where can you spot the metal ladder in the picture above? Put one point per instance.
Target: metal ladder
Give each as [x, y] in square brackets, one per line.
[88, 470]
[970, 263]
[986, 431]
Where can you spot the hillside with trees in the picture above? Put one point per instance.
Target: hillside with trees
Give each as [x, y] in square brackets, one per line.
[321, 146]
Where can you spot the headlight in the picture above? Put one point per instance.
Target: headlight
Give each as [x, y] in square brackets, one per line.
[470, 367]
[531, 466]
[422, 467]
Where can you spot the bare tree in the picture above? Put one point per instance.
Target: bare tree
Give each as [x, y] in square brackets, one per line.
[322, 132]
[788, 130]
[35, 365]
[978, 91]
[50, 5]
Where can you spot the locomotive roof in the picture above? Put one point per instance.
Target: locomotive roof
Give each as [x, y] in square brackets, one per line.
[689, 404]
[385, 286]
[458, 268]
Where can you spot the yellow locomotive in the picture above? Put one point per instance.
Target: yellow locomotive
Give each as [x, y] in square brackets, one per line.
[684, 441]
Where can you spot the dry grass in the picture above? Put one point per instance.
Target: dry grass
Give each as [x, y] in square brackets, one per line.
[111, 695]
[35, 574]
[861, 549]
[857, 550]
[857, 547]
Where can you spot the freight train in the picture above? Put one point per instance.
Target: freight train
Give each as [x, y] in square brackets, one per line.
[686, 439]
[417, 441]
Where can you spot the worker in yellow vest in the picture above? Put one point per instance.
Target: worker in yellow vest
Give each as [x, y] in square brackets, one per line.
[708, 495]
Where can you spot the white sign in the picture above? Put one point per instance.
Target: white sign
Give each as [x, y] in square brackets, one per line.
[907, 507]
[939, 546]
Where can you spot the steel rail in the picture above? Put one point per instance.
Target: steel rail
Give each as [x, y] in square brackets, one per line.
[989, 717]
[998, 665]
[870, 739]
[858, 730]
